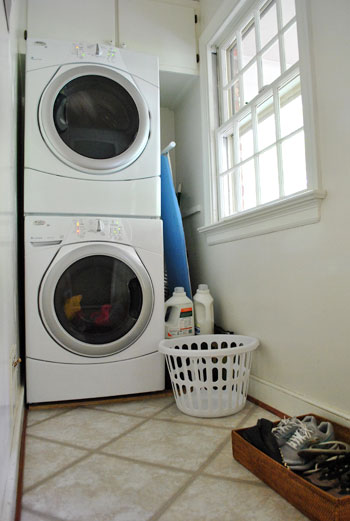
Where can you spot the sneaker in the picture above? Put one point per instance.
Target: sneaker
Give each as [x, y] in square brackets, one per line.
[307, 434]
[287, 427]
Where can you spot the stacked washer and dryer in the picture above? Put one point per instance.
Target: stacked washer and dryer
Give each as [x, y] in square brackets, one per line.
[94, 294]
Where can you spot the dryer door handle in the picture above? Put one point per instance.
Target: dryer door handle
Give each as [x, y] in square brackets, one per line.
[61, 113]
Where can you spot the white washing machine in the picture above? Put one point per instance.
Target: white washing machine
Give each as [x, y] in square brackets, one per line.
[94, 307]
[92, 130]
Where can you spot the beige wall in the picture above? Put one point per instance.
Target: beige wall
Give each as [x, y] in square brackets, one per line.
[292, 288]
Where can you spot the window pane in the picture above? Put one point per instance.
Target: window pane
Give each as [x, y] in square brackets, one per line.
[271, 64]
[248, 43]
[225, 195]
[247, 186]
[236, 97]
[294, 168]
[291, 46]
[227, 153]
[245, 133]
[269, 187]
[233, 100]
[250, 83]
[291, 108]
[268, 23]
[288, 10]
[266, 124]
[232, 61]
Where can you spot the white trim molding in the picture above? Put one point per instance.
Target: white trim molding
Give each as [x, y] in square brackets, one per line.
[292, 403]
[299, 209]
[290, 212]
[8, 508]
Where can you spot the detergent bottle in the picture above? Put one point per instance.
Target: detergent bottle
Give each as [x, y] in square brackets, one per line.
[203, 311]
[179, 315]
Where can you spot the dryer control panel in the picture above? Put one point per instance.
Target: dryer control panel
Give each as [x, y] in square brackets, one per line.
[96, 50]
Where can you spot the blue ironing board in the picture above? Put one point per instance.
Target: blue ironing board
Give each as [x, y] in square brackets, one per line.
[175, 254]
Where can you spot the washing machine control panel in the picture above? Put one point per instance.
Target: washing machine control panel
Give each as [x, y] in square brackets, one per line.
[60, 230]
[89, 228]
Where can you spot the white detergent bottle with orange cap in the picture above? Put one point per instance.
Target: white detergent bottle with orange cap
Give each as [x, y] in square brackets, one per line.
[179, 315]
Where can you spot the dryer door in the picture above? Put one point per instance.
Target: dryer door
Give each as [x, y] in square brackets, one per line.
[94, 118]
[96, 299]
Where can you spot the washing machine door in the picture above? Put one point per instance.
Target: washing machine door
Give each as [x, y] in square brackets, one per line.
[94, 118]
[96, 299]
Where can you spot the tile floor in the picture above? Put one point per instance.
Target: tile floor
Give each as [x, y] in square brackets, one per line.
[141, 460]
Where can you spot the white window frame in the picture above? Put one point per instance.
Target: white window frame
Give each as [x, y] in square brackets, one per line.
[288, 212]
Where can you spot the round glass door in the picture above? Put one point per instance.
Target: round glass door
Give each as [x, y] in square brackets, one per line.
[96, 303]
[94, 118]
[98, 299]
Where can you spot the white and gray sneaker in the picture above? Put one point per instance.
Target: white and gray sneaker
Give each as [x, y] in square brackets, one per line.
[287, 427]
[306, 435]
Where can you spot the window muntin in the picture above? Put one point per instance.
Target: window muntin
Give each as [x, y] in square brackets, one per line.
[261, 113]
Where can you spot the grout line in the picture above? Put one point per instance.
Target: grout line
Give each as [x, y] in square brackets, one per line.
[54, 474]
[100, 451]
[145, 462]
[59, 413]
[194, 424]
[260, 484]
[90, 451]
[188, 482]
[45, 516]
[133, 415]
[58, 442]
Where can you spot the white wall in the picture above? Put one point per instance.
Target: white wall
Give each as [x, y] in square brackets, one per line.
[292, 288]
[11, 391]
[72, 20]
[208, 9]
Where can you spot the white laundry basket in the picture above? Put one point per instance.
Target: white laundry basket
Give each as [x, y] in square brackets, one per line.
[209, 373]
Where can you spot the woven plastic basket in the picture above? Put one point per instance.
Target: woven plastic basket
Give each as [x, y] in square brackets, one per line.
[209, 373]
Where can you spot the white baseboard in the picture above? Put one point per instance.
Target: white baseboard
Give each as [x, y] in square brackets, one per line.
[10, 496]
[292, 403]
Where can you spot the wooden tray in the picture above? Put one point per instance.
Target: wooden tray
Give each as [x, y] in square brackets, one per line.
[313, 502]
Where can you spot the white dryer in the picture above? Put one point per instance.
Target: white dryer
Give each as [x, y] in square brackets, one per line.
[94, 307]
[92, 131]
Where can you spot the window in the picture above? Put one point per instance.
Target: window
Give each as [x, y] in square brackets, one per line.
[258, 131]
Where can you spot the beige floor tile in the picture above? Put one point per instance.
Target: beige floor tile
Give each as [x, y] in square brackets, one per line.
[36, 416]
[213, 499]
[43, 458]
[227, 422]
[169, 443]
[225, 465]
[33, 516]
[104, 488]
[144, 408]
[86, 428]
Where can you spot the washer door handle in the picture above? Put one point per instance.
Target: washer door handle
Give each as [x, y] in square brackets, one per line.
[45, 243]
[61, 113]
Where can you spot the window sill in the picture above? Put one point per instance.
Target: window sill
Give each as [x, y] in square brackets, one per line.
[291, 212]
